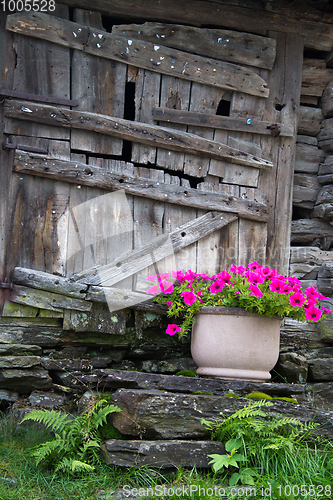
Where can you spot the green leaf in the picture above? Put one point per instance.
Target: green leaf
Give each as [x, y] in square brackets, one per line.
[233, 444]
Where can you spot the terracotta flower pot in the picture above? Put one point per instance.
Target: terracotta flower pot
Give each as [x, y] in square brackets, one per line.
[231, 343]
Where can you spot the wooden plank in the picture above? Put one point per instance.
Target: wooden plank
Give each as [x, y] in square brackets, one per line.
[285, 83]
[317, 34]
[98, 85]
[219, 250]
[52, 65]
[251, 125]
[236, 174]
[175, 94]
[203, 99]
[97, 177]
[147, 95]
[162, 246]
[47, 300]
[153, 57]
[175, 216]
[130, 130]
[225, 45]
[7, 65]
[48, 282]
[148, 216]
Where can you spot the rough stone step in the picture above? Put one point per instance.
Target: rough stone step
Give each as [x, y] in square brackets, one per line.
[165, 415]
[162, 454]
[107, 379]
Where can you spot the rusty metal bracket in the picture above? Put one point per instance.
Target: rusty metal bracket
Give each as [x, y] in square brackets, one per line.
[37, 98]
[22, 147]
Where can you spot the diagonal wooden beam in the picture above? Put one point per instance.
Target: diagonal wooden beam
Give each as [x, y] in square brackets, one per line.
[80, 173]
[152, 135]
[147, 55]
[130, 263]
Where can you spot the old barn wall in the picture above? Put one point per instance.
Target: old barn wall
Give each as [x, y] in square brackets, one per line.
[54, 342]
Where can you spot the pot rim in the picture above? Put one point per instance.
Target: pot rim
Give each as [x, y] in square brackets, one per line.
[235, 311]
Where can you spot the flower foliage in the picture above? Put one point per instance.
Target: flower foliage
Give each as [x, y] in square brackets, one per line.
[258, 289]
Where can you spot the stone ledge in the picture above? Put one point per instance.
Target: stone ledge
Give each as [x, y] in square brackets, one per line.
[115, 379]
[165, 415]
[162, 454]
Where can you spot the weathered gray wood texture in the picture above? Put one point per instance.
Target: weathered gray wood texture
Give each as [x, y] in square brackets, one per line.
[130, 130]
[220, 44]
[317, 35]
[154, 57]
[79, 173]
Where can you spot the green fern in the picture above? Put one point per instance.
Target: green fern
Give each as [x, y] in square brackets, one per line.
[75, 446]
[271, 437]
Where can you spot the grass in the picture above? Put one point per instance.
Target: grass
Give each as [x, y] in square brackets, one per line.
[311, 464]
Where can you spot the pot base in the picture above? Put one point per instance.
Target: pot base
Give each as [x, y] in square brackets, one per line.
[234, 374]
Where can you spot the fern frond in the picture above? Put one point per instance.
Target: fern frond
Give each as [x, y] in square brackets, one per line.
[54, 420]
[44, 450]
[100, 417]
[72, 465]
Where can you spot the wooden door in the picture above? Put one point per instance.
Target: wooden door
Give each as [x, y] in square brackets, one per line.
[160, 147]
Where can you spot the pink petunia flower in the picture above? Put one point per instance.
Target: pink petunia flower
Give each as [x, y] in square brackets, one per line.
[312, 293]
[255, 278]
[154, 290]
[152, 278]
[312, 313]
[237, 269]
[267, 273]
[254, 266]
[326, 311]
[169, 303]
[178, 275]
[277, 286]
[166, 287]
[172, 329]
[217, 286]
[255, 290]
[297, 299]
[189, 297]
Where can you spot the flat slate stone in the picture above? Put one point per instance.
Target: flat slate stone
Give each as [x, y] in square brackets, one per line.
[19, 349]
[19, 361]
[164, 415]
[25, 380]
[114, 379]
[164, 454]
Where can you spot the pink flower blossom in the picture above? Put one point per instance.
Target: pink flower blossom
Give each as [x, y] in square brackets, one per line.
[254, 266]
[169, 303]
[153, 290]
[178, 275]
[237, 269]
[166, 287]
[312, 313]
[255, 290]
[217, 286]
[297, 299]
[255, 278]
[172, 329]
[267, 273]
[277, 286]
[224, 277]
[152, 278]
[295, 282]
[326, 311]
[312, 293]
[189, 297]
